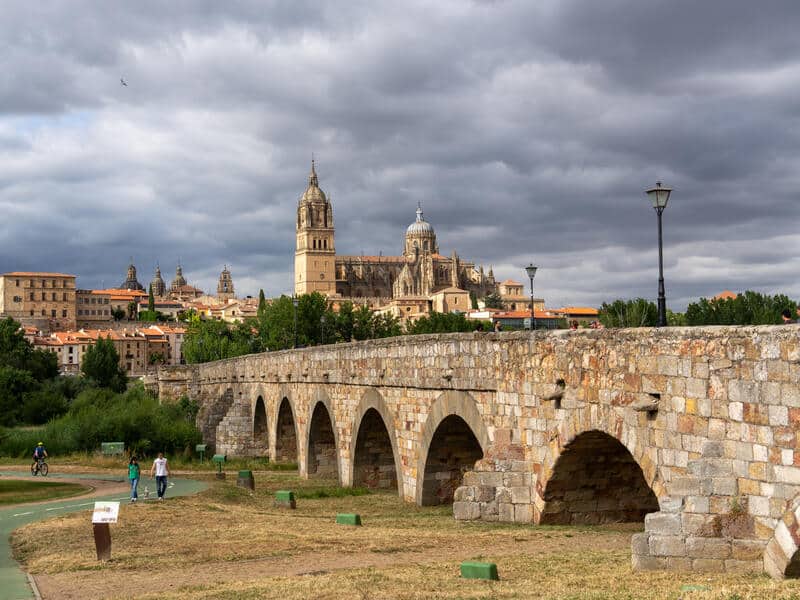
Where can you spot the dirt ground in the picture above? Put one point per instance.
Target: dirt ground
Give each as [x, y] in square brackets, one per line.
[228, 543]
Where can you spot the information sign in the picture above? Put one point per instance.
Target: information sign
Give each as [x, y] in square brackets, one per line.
[105, 512]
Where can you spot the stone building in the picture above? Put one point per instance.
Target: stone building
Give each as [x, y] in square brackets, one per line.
[131, 282]
[157, 284]
[225, 290]
[410, 279]
[43, 300]
[180, 290]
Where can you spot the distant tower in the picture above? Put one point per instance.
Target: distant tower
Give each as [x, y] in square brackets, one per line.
[179, 280]
[157, 284]
[315, 255]
[131, 283]
[225, 286]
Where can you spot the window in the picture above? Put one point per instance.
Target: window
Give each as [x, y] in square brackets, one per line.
[32, 298]
[44, 295]
[64, 297]
[53, 313]
[31, 312]
[44, 313]
[33, 283]
[105, 301]
[17, 298]
[71, 349]
[54, 296]
[44, 283]
[53, 282]
[17, 282]
[80, 312]
[93, 301]
[64, 313]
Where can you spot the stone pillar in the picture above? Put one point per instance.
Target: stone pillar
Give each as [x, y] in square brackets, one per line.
[704, 525]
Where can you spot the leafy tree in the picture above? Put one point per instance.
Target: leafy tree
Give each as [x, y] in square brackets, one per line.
[117, 313]
[275, 325]
[156, 358]
[101, 365]
[437, 322]
[363, 324]
[473, 300]
[151, 300]
[206, 341]
[14, 384]
[131, 310]
[676, 319]
[493, 300]
[749, 308]
[629, 313]
[345, 322]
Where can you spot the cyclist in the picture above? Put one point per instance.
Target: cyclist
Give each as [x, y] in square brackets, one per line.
[39, 454]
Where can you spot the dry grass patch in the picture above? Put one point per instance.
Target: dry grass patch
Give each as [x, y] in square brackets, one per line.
[229, 543]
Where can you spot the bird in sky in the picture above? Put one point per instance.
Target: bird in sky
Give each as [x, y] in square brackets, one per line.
[123, 82]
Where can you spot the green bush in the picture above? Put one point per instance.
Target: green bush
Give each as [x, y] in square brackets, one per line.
[99, 415]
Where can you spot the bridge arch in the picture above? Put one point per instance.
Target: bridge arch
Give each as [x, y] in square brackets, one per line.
[453, 415]
[322, 439]
[590, 449]
[285, 430]
[260, 427]
[782, 552]
[374, 455]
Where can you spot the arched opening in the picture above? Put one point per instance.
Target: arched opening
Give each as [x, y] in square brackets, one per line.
[321, 445]
[454, 449]
[596, 480]
[373, 461]
[260, 436]
[285, 434]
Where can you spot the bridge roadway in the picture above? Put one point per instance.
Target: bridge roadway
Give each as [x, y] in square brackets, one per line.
[691, 430]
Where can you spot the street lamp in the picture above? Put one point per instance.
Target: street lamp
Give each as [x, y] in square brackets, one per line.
[660, 196]
[295, 302]
[322, 328]
[531, 270]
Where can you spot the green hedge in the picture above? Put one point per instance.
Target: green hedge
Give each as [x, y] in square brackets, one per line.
[99, 415]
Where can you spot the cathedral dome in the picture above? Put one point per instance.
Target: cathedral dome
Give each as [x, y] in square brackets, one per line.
[420, 226]
[313, 193]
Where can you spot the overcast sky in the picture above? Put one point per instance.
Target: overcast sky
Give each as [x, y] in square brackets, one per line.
[528, 131]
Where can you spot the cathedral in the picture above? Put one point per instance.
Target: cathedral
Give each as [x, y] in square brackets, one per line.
[415, 282]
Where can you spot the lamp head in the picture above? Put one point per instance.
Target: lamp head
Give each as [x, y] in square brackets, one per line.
[659, 196]
[531, 270]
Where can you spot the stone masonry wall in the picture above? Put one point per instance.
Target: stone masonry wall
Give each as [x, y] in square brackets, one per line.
[708, 415]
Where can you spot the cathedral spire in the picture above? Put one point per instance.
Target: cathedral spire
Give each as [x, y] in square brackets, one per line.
[312, 177]
[419, 212]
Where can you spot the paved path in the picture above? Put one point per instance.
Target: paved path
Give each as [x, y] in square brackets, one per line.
[13, 582]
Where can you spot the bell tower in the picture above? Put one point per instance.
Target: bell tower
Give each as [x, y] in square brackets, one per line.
[315, 255]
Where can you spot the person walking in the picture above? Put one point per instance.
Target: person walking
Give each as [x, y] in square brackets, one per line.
[133, 476]
[161, 472]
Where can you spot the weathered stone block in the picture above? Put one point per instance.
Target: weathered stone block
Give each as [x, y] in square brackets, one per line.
[466, 511]
[640, 544]
[668, 504]
[747, 550]
[667, 545]
[662, 523]
[523, 513]
[702, 547]
[710, 565]
[505, 512]
[648, 563]
[521, 495]
[744, 566]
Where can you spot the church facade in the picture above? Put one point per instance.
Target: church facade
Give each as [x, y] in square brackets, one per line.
[417, 281]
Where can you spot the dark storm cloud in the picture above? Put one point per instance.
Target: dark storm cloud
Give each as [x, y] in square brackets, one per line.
[528, 131]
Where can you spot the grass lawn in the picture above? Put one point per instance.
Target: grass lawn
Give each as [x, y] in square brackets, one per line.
[229, 543]
[16, 491]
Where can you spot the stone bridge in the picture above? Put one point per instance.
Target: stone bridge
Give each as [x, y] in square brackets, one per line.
[691, 430]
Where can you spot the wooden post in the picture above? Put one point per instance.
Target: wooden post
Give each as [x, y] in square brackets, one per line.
[102, 540]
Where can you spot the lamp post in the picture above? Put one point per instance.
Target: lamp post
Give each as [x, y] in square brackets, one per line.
[660, 196]
[322, 328]
[295, 302]
[531, 270]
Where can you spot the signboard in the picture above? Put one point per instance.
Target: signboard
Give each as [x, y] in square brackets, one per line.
[105, 512]
[526, 323]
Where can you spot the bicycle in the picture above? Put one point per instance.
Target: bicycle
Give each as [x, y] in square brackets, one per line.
[39, 467]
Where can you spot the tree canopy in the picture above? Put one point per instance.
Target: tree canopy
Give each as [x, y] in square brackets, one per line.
[101, 365]
[749, 308]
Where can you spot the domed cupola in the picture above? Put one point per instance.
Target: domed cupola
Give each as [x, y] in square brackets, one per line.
[420, 236]
[313, 193]
[157, 284]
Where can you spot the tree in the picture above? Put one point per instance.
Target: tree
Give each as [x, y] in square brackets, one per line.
[14, 384]
[437, 322]
[629, 313]
[493, 300]
[345, 322]
[473, 300]
[131, 310]
[151, 300]
[749, 308]
[117, 313]
[206, 341]
[101, 365]
[262, 302]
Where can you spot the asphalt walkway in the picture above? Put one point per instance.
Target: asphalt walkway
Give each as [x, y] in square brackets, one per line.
[13, 581]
